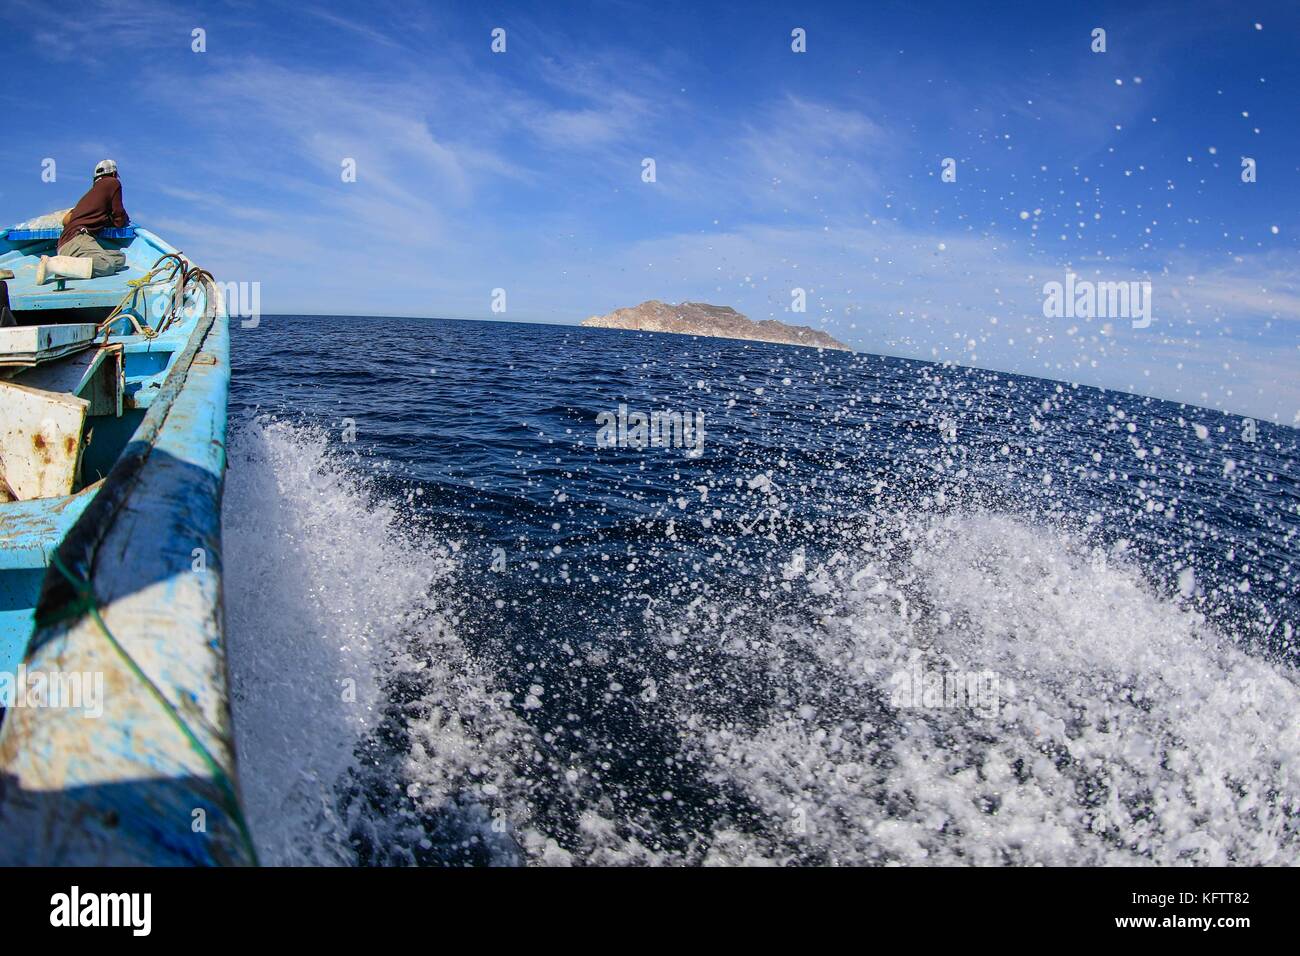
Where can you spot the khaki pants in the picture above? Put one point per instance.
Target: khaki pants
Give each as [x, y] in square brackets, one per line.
[107, 261]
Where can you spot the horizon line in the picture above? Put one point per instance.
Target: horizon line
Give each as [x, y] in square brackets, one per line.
[948, 363]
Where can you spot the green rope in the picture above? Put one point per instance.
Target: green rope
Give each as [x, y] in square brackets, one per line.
[87, 603]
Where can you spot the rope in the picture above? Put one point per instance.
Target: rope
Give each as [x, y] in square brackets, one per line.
[87, 603]
[135, 286]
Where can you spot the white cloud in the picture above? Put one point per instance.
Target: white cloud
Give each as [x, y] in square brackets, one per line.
[454, 197]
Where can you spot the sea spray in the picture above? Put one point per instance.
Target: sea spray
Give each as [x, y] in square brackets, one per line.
[306, 619]
[345, 671]
[688, 661]
[366, 731]
[1132, 731]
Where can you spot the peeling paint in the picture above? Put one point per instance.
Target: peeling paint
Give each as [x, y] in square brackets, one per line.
[121, 789]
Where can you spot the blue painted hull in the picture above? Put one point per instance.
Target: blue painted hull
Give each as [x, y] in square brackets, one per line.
[118, 585]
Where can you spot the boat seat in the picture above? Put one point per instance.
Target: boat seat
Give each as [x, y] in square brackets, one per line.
[29, 345]
[30, 531]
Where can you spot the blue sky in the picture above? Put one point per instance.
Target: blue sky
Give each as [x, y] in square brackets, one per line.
[775, 169]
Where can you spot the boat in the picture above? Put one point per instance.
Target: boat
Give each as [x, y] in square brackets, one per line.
[115, 739]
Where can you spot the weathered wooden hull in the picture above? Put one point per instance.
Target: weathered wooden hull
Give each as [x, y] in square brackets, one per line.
[120, 583]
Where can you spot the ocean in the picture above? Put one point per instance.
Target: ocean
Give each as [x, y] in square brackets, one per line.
[850, 610]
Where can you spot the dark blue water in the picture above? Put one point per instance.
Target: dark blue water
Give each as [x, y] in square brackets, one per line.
[566, 653]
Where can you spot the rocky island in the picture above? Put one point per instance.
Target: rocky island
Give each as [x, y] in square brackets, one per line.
[718, 321]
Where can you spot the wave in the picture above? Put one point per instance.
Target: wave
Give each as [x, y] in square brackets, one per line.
[365, 729]
[966, 688]
[978, 689]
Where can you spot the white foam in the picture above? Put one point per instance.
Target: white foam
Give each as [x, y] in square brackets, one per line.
[318, 581]
[326, 583]
[1130, 730]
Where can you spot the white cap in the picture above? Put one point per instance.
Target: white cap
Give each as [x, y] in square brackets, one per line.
[104, 167]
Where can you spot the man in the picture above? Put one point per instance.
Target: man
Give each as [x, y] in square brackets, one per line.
[6, 316]
[80, 254]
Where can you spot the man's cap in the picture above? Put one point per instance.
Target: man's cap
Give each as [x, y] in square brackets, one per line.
[105, 167]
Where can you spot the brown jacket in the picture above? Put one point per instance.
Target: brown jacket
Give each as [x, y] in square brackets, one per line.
[100, 208]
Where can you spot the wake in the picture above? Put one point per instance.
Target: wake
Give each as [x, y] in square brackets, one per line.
[1104, 724]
